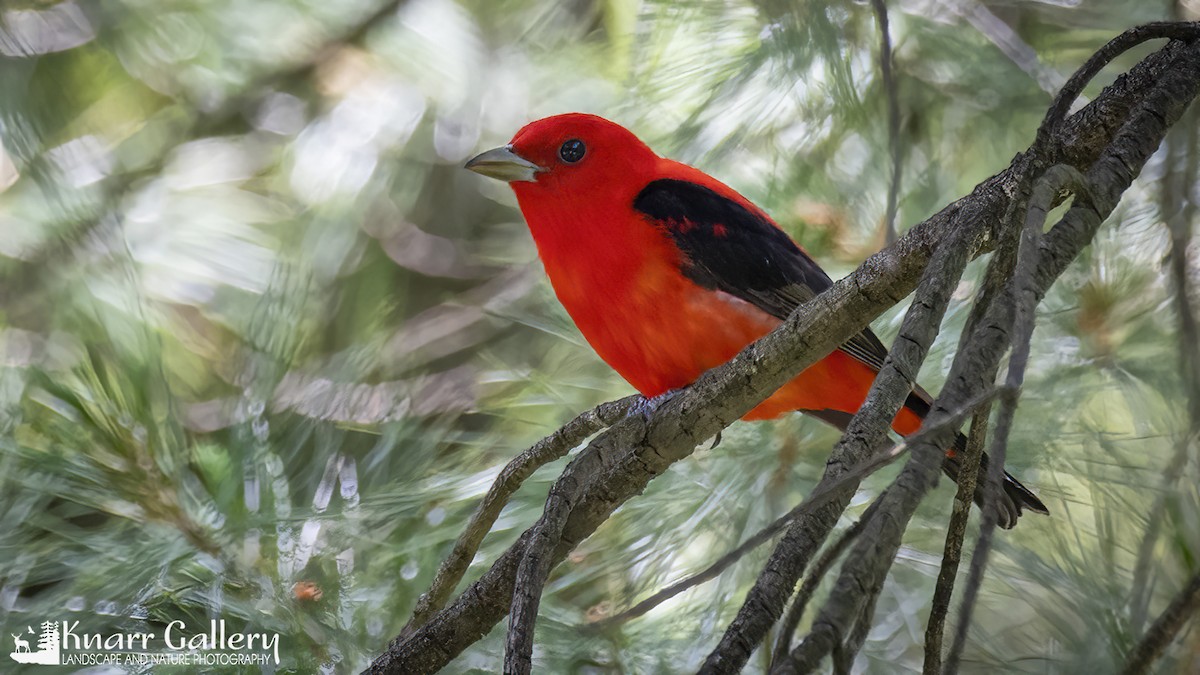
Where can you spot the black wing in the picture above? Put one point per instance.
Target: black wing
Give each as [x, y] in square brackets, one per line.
[728, 247]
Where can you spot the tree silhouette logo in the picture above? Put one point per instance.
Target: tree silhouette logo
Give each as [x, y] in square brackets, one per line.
[48, 646]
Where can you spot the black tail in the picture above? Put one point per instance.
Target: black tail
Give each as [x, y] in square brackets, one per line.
[1015, 497]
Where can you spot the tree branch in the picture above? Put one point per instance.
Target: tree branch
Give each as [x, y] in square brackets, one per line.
[550, 448]
[893, 117]
[1179, 212]
[538, 558]
[1163, 631]
[1110, 176]
[955, 532]
[783, 642]
[1025, 296]
[863, 574]
[820, 496]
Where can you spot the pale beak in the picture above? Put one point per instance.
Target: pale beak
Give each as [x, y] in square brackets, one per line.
[504, 164]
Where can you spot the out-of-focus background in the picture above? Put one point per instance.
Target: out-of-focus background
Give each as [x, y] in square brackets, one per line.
[264, 344]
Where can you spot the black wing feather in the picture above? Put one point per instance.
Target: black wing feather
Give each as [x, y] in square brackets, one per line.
[730, 248]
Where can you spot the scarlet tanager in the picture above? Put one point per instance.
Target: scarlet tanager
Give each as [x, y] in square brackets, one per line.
[669, 272]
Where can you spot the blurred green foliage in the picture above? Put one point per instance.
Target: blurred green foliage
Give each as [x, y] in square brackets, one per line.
[259, 329]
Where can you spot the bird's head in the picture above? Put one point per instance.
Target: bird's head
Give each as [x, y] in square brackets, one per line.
[569, 155]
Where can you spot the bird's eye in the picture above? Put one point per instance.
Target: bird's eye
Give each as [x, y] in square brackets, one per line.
[572, 151]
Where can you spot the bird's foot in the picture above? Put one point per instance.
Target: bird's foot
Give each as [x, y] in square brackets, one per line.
[647, 406]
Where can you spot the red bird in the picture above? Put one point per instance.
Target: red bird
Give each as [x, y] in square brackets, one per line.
[669, 272]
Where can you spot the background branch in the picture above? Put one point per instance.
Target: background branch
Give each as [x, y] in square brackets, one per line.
[1163, 630]
[893, 117]
[1179, 211]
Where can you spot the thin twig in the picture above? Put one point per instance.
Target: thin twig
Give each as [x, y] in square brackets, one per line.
[1179, 211]
[537, 560]
[544, 542]
[812, 581]
[1057, 113]
[538, 557]
[550, 448]
[1164, 629]
[846, 652]
[1023, 292]
[893, 116]
[999, 270]
[955, 532]
[1009, 42]
[1000, 267]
